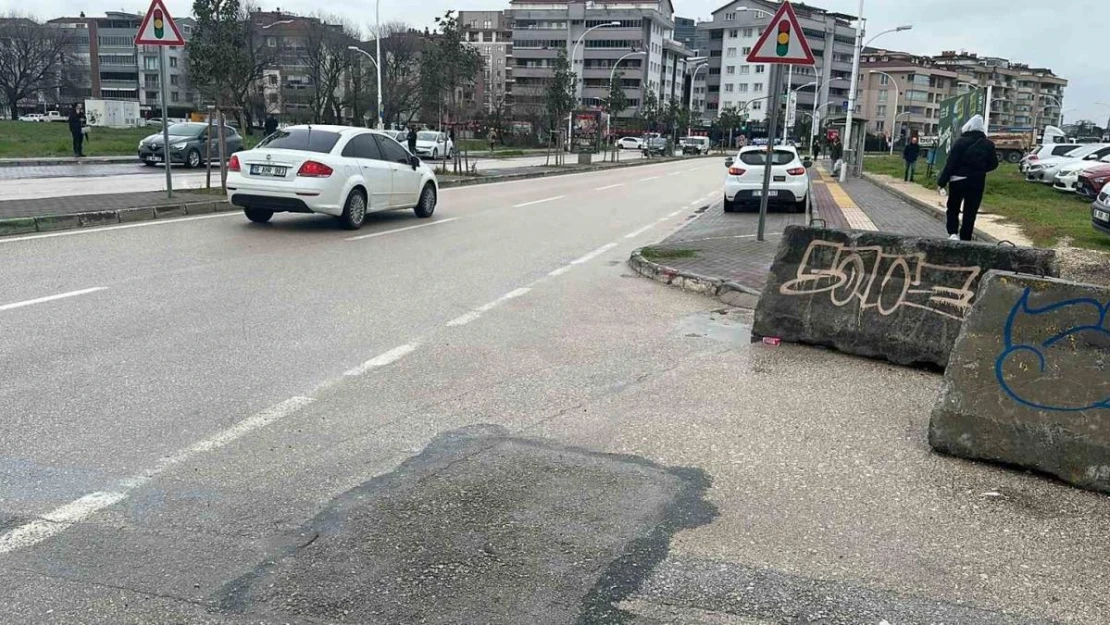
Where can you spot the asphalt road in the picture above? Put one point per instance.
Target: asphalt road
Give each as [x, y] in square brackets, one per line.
[483, 418]
[18, 183]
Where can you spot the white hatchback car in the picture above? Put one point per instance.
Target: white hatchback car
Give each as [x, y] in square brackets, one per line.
[434, 144]
[789, 178]
[334, 170]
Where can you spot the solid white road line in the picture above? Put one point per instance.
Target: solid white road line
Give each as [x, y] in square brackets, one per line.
[484, 308]
[677, 212]
[387, 358]
[405, 229]
[533, 203]
[64, 517]
[676, 173]
[594, 254]
[145, 224]
[612, 186]
[560, 271]
[648, 178]
[50, 298]
[633, 235]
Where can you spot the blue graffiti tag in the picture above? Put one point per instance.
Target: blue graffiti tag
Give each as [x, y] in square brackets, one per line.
[1098, 310]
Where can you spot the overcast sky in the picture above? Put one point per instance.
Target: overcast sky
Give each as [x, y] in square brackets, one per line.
[1060, 34]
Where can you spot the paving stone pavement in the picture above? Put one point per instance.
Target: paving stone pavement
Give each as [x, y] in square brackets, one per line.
[890, 213]
[70, 205]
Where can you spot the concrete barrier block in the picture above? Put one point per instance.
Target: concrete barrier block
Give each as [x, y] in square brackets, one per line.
[57, 222]
[127, 215]
[176, 210]
[17, 225]
[200, 208]
[1027, 383]
[878, 294]
[98, 218]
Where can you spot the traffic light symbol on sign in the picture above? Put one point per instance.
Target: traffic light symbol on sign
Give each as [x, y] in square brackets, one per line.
[159, 24]
[783, 39]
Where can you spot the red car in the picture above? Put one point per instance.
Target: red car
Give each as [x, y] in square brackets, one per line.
[1092, 180]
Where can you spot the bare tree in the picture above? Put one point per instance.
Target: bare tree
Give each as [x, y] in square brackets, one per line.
[402, 48]
[327, 62]
[31, 59]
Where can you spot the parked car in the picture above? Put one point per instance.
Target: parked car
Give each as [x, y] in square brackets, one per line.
[434, 144]
[789, 178]
[630, 143]
[655, 145]
[1092, 180]
[332, 170]
[56, 116]
[1045, 170]
[1100, 212]
[189, 143]
[695, 145]
[1045, 151]
[1067, 177]
[33, 117]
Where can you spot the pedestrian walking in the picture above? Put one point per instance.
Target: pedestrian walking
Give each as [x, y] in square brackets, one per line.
[412, 139]
[271, 125]
[816, 148]
[910, 154]
[836, 155]
[77, 123]
[492, 139]
[965, 174]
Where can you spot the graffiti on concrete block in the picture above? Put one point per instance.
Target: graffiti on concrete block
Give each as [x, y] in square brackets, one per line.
[886, 283]
[1056, 357]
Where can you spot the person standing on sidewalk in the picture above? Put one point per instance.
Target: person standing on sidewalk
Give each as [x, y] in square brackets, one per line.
[965, 174]
[910, 154]
[816, 148]
[77, 121]
[411, 138]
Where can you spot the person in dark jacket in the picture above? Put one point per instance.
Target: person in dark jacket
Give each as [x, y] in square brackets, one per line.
[412, 139]
[910, 154]
[77, 122]
[271, 125]
[816, 149]
[836, 150]
[965, 175]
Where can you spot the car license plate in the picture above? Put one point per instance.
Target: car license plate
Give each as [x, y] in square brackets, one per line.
[1102, 215]
[771, 193]
[268, 170]
[780, 178]
[154, 159]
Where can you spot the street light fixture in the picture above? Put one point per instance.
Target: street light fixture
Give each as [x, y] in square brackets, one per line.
[573, 54]
[612, 76]
[861, 25]
[378, 69]
[690, 106]
[897, 94]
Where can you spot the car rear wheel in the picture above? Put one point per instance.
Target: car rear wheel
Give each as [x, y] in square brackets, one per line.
[427, 205]
[800, 206]
[258, 215]
[192, 159]
[148, 163]
[730, 207]
[435, 154]
[354, 211]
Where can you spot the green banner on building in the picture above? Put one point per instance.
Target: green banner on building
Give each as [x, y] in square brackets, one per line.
[954, 113]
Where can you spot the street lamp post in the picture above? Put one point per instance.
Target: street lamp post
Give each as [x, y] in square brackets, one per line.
[897, 94]
[573, 54]
[855, 79]
[612, 77]
[379, 70]
[794, 95]
[377, 65]
[690, 106]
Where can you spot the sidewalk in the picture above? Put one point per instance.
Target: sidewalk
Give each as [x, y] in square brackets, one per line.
[65, 160]
[727, 255]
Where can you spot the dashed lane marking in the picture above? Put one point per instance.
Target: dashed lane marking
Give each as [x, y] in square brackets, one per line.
[50, 298]
[438, 222]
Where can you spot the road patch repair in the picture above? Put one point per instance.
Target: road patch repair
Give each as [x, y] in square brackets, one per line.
[1027, 382]
[485, 528]
[878, 294]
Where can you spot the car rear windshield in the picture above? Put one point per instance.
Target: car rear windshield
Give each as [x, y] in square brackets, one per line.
[304, 139]
[779, 157]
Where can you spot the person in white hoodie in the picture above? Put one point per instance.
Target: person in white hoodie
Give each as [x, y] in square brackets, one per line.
[965, 173]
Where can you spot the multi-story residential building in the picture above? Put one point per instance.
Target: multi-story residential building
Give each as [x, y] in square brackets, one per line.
[732, 82]
[543, 27]
[685, 32]
[1023, 97]
[491, 32]
[108, 65]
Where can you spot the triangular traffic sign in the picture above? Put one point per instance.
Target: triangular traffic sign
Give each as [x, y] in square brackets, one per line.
[783, 41]
[158, 28]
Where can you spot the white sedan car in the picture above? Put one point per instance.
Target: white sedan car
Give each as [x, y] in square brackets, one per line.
[434, 144]
[789, 178]
[1067, 178]
[630, 143]
[1045, 170]
[334, 170]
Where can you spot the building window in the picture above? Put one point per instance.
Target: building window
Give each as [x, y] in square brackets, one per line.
[175, 96]
[758, 104]
[879, 125]
[173, 79]
[150, 63]
[729, 87]
[884, 79]
[173, 61]
[757, 87]
[713, 54]
[731, 69]
[745, 70]
[881, 110]
[731, 53]
[271, 42]
[743, 88]
[730, 17]
[734, 33]
[759, 69]
[747, 50]
[883, 95]
[748, 32]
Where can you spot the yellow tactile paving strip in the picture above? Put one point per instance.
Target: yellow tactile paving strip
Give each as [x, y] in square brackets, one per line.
[856, 218]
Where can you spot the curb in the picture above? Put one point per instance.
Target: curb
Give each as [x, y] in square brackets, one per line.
[727, 292]
[450, 184]
[45, 162]
[923, 206]
[54, 223]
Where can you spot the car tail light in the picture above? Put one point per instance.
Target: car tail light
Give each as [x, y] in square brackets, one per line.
[1034, 157]
[796, 171]
[233, 164]
[736, 171]
[312, 169]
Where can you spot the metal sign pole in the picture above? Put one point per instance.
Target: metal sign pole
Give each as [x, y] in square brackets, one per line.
[165, 120]
[772, 126]
[208, 152]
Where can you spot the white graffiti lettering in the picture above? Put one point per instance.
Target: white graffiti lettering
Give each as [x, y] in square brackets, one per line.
[883, 282]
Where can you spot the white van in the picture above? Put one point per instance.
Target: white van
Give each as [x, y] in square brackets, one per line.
[695, 145]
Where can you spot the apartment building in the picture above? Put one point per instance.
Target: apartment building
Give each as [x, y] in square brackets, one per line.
[491, 33]
[541, 28]
[108, 65]
[685, 32]
[732, 82]
[1023, 97]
